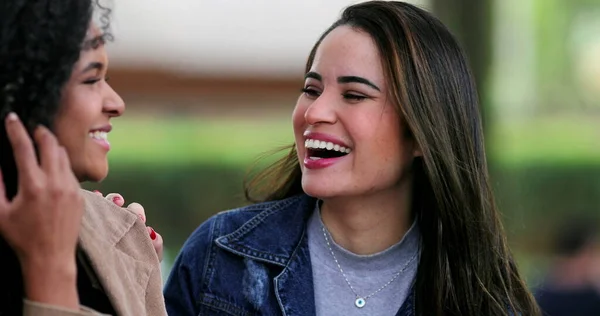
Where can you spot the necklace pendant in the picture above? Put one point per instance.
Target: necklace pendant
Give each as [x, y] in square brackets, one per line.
[360, 302]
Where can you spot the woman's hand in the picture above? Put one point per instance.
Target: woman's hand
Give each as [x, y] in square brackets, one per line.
[42, 222]
[157, 240]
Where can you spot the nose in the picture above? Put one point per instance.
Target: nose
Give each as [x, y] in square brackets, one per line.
[113, 103]
[321, 111]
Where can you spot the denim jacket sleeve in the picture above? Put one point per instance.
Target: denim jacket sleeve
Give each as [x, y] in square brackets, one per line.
[185, 280]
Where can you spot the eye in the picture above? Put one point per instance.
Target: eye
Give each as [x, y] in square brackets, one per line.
[354, 97]
[91, 81]
[310, 92]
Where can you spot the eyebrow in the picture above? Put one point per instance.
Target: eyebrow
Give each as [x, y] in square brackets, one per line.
[343, 79]
[93, 66]
[314, 75]
[94, 42]
[349, 79]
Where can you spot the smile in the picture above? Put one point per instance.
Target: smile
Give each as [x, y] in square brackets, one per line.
[99, 135]
[323, 146]
[320, 149]
[321, 154]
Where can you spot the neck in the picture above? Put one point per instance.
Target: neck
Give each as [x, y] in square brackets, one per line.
[369, 224]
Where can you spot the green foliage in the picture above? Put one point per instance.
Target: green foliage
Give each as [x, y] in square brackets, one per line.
[237, 142]
[181, 141]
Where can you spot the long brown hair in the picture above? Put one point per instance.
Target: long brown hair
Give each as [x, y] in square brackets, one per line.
[466, 267]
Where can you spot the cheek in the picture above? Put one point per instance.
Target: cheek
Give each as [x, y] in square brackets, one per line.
[299, 126]
[73, 119]
[298, 120]
[73, 105]
[379, 132]
[63, 124]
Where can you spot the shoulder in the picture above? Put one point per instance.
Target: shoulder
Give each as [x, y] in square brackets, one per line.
[229, 221]
[119, 227]
[222, 243]
[236, 221]
[99, 209]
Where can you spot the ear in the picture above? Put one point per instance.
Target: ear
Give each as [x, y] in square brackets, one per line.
[417, 151]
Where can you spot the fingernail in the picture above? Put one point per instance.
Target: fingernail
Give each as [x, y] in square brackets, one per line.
[12, 117]
[152, 234]
[116, 199]
[97, 192]
[41, 130]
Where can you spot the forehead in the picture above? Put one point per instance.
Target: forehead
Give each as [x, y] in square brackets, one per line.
[93, 46]
[350, 51]
[93, 31]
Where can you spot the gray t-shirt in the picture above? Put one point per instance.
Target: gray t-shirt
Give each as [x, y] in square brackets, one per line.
[366, 273]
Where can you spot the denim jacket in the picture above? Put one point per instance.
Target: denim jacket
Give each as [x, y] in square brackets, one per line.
[249, 261]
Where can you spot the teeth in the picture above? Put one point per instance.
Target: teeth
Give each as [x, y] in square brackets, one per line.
[316, 144]
[99, 135]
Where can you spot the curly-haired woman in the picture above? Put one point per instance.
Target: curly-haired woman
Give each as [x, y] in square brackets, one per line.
[64, 251]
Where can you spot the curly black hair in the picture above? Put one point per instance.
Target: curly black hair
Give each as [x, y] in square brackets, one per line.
[40, 42]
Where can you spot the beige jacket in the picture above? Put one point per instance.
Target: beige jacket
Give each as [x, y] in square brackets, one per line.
[123, 258]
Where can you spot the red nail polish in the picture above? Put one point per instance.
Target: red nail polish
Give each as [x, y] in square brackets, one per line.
[116, 198]
[96, 191]
[152, 234]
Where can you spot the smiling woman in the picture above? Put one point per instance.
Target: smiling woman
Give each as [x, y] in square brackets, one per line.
[53, 87]
[83, 130]
[381, 207]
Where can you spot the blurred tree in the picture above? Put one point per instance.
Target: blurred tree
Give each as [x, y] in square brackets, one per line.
[471, 21]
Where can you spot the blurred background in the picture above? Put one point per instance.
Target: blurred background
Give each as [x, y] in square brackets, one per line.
[210, 85]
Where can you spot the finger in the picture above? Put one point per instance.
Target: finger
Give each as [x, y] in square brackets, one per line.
[48, 150]
[97, 192]
[139, 210]
[65, 173]
[116, 198]
[64, 161]
[22, 146]
[4, 203]
[157, 242]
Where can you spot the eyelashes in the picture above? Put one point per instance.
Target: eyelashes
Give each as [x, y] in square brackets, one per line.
[313, 93]
[95, 80]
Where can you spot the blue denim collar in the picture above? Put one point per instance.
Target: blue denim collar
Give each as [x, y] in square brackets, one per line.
[285, 219]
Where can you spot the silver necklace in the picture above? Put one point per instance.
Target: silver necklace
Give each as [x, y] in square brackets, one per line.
[361, 301]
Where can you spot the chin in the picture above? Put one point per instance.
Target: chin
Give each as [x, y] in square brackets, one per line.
[98, 175]
[95, 174]
[318, 189]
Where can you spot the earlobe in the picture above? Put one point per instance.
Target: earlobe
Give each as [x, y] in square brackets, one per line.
[417, 152]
